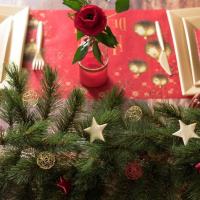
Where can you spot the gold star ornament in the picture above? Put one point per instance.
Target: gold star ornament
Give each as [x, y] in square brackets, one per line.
[186, 132]
[95, 131]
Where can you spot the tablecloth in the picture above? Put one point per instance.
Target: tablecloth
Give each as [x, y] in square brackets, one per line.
[60, 43]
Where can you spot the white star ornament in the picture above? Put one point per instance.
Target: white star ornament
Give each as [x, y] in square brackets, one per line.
[186, 132]
[95, 131]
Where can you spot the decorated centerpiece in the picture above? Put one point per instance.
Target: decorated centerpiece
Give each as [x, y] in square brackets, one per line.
[95, 38]
[114, 150]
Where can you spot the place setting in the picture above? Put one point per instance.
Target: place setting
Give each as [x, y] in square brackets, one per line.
[185, 39]
[13, 28]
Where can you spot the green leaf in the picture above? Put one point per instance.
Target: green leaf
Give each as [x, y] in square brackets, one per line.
[108, 31]
[79, 35]
[122, 5]
[112, 37]
[73, 4]
[81, 52]
[97, 52]
[107, 38]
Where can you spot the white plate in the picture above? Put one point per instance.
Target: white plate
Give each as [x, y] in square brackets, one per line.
[181, 48]
[190, 24]
[14, 53]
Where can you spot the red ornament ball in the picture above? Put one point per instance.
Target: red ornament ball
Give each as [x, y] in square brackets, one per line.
[197, 167]
[64, 185]
[133, 170]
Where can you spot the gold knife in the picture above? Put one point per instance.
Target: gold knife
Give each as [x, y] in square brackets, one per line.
[163, 60]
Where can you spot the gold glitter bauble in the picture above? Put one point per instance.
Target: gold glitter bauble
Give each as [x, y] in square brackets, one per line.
[160, 80]
[153, 49]
[134, 113]
[46, 160]
[145, 28]
[138, 67]
[30, 97]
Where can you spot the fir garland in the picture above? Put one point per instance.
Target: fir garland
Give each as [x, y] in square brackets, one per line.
[46, 154]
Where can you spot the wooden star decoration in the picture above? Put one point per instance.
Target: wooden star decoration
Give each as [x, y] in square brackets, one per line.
[186, 132]
[95, 131]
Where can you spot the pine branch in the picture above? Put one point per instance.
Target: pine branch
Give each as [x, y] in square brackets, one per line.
[61, 142]
[14, 109]
[96, 170]
[49, 100]
[24, 136]
[149, 115]
[71, 108]
[193, 192]
[168, 110]
[191, 115]
[7, 109]
[186, 155]
[9, 159]
[108, 108]
[22, 172]
[26, 192]
[17, 80]
[111, 100]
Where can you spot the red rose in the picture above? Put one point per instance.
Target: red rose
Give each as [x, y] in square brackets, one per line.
[91, 20]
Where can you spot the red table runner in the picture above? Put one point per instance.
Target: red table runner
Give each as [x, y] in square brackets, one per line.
[60, 44]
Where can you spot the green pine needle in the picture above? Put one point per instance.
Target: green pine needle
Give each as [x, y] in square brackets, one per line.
[96, 170]
[48, 103]
[72, 106]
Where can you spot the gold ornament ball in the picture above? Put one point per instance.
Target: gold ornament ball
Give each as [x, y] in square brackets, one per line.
[46, 160]
[153, 49]
[145, 28]
[138, 67]
[134, 113]
[160, 80]
[30, 97]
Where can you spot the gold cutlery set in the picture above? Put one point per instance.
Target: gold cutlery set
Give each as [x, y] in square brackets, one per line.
[13, 29]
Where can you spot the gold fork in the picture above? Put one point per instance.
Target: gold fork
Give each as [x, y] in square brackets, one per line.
[38, 61]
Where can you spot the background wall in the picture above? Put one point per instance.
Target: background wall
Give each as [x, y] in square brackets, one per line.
[136, 4]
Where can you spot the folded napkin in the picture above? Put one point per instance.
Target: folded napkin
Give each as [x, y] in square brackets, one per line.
[5, 29]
